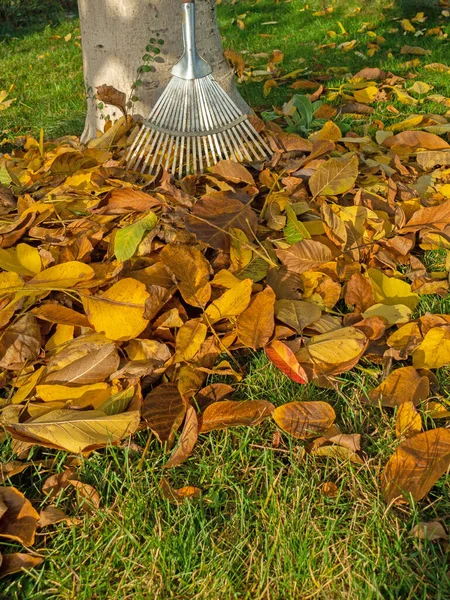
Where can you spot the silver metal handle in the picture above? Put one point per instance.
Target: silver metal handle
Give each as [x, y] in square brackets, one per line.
[190, 65]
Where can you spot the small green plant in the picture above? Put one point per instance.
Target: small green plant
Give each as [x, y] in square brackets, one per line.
[151, 53]
[298, 113]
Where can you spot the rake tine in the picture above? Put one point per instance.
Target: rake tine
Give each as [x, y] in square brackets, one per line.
[194, 121]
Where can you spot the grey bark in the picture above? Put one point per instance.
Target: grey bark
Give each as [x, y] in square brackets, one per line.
[114, 36]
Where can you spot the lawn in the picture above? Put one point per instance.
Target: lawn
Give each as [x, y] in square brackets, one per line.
[265, 527]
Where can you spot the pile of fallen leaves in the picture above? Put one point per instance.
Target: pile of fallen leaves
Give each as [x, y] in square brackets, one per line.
[122, 293]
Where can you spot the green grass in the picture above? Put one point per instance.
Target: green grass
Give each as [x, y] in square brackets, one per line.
[263, 528]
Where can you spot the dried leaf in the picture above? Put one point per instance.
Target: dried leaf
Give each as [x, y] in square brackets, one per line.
[284, 359]
[164, 410]
[335, 176]
[416, 465]
[304, 420]
[255, 324]
[230, 413]
[19, 523]
[187, 441]
[76, 431]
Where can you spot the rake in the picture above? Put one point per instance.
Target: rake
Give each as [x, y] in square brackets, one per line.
[194, 124]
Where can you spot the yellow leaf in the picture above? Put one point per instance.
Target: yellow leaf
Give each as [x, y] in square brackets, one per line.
[75, 431]
[240, 252]
[332, 353]
[406, 124]
[407, 25]
[230, 304]
[51, 393]
[391, 291]
[434, 350]
[118, 313]
[268, 86]
[366, 95]
[420, 87]
[22, 259]
[63, 334]
[27, 387]
[408, 422]
[394, 314]
[403, 96]
[62, 276]
[330, 131]
[335, 176]
[189, 339]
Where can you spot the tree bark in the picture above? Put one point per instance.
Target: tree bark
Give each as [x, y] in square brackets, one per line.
[114, 36]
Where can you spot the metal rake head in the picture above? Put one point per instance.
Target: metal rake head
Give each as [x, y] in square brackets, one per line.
[194, 125]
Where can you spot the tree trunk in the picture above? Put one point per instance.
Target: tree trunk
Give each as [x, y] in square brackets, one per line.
[115, 34]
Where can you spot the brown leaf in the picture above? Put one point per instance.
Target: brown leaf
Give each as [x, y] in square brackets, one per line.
[109, 95]
[330, 489]
[306, 255]
[180, 495]
[431, 530]
[19, 523]
[17, 561]
[122, 201]
[92, 368]
[304, 420]
[191, 269]
[416, 139]
[56, 313]
[55, 483]
[51, 515]
[255, 325]
[233, 171]
[20, 342]
[212, 393]
[163, 411]
[230, 413]
[214, 214]
[87, 496]
[359, 292]
[297, 314]
[187, 441]
[435, 217]
[416, 465]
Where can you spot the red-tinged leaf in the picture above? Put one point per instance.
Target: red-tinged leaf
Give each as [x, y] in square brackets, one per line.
[284, 359]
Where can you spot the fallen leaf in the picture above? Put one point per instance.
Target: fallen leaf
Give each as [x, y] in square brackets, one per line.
[19, 522]
[416, 465]
[304, 420]
[284, 359]
[335, 176]
[255, 324]
[231, 413]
